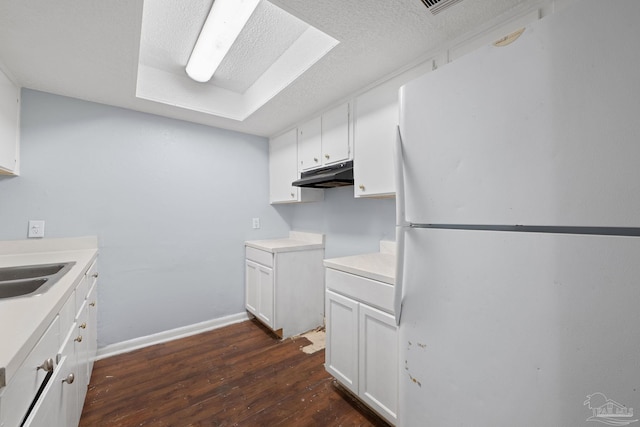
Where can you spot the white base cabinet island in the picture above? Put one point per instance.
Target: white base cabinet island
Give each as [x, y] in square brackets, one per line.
[284, 282]
[47, 355]
[362, 337]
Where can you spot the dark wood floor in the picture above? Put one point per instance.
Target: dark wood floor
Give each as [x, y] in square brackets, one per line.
[240, 375]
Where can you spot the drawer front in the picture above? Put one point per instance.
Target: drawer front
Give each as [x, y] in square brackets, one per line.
[372, 292]
[261, 257]
[85, 284]
[81, 294]
[92, 274]
[67, 316]
[19, 393]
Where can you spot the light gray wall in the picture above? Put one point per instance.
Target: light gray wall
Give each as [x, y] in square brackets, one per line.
[171, 203]
[351, 226]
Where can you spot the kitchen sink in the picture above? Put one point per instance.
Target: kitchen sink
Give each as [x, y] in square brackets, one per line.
[29, 271]
[28, 280]
[16, 288]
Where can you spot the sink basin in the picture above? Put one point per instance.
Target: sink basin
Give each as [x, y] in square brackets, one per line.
[16, 288]
[29, 271]
[28, 280]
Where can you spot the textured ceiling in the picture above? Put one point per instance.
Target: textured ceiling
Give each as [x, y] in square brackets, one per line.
[90, 49]
[170, 30]
[273, 50]
[269, 33]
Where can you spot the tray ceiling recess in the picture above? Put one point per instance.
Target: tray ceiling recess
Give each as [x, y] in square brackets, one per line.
[271, 51]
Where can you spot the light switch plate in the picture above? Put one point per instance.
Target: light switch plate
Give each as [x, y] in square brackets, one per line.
[36, 228]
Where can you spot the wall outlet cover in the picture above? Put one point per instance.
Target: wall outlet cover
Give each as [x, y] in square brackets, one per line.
[36, 228]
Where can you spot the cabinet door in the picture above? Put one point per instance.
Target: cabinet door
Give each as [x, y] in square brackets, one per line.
[9, 125]
[259, 292]
[378, 361]
[251, 286]
[335, 135]
[309, 144]
[376, 121]
[70, 405]
[92, 327]
[58, 403]
[266, 300]
[341, 352]
[17, 396]
[47, 411]
[81, 350]
[283, 167]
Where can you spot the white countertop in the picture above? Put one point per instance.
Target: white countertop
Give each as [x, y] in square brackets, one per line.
[297, 241]
[380, 266]
[24, 319]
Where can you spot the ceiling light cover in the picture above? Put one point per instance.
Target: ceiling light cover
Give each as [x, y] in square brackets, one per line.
[224, 23]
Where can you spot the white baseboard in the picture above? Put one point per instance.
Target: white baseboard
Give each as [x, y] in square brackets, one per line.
[173, 334]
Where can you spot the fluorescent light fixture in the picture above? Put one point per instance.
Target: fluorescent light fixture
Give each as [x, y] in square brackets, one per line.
[226, 20]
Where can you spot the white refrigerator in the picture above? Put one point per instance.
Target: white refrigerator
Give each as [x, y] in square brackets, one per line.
[518, 194]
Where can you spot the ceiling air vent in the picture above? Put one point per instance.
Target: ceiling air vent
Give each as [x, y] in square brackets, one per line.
[437, 6]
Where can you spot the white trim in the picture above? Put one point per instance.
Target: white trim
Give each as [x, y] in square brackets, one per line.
[170, 335]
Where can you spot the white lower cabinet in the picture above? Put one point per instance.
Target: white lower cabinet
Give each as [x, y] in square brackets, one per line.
[35, 370]
[92, 323]
[81, 351]
[58, 405]
[284, 289]
[61, 401]
[341, 353]
[259, 290]
[362, 352]
[378, 361]
[69, 402]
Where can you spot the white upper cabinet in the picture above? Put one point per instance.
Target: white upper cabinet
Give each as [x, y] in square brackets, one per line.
[310, 144]
[335, 135]
[326, 139]
[283, 170]
[375, 124]
[376, 121]
[9, 126]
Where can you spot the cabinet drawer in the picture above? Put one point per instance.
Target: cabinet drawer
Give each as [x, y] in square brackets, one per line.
[81, 293]
[85, 284]
[372, 292]
[261, 257]
[92, 274]
[67, 316]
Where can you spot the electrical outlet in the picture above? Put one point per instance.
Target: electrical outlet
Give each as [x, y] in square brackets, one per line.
[36, 228]
[256, 222]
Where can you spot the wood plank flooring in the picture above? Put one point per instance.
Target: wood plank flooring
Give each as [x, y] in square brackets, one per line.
[239, 375]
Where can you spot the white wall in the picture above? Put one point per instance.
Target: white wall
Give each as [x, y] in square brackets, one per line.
[171, 203]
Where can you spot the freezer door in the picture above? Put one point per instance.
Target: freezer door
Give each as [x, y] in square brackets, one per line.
[543, 131]
[506, 328]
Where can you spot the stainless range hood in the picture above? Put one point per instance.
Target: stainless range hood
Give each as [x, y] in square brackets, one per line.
[338, 175]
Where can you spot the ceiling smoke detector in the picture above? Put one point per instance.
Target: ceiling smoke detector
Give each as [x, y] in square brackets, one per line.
[437, 6]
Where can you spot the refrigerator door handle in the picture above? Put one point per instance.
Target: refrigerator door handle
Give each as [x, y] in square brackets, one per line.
[401, 219]
[401, 222]
[397, 291]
